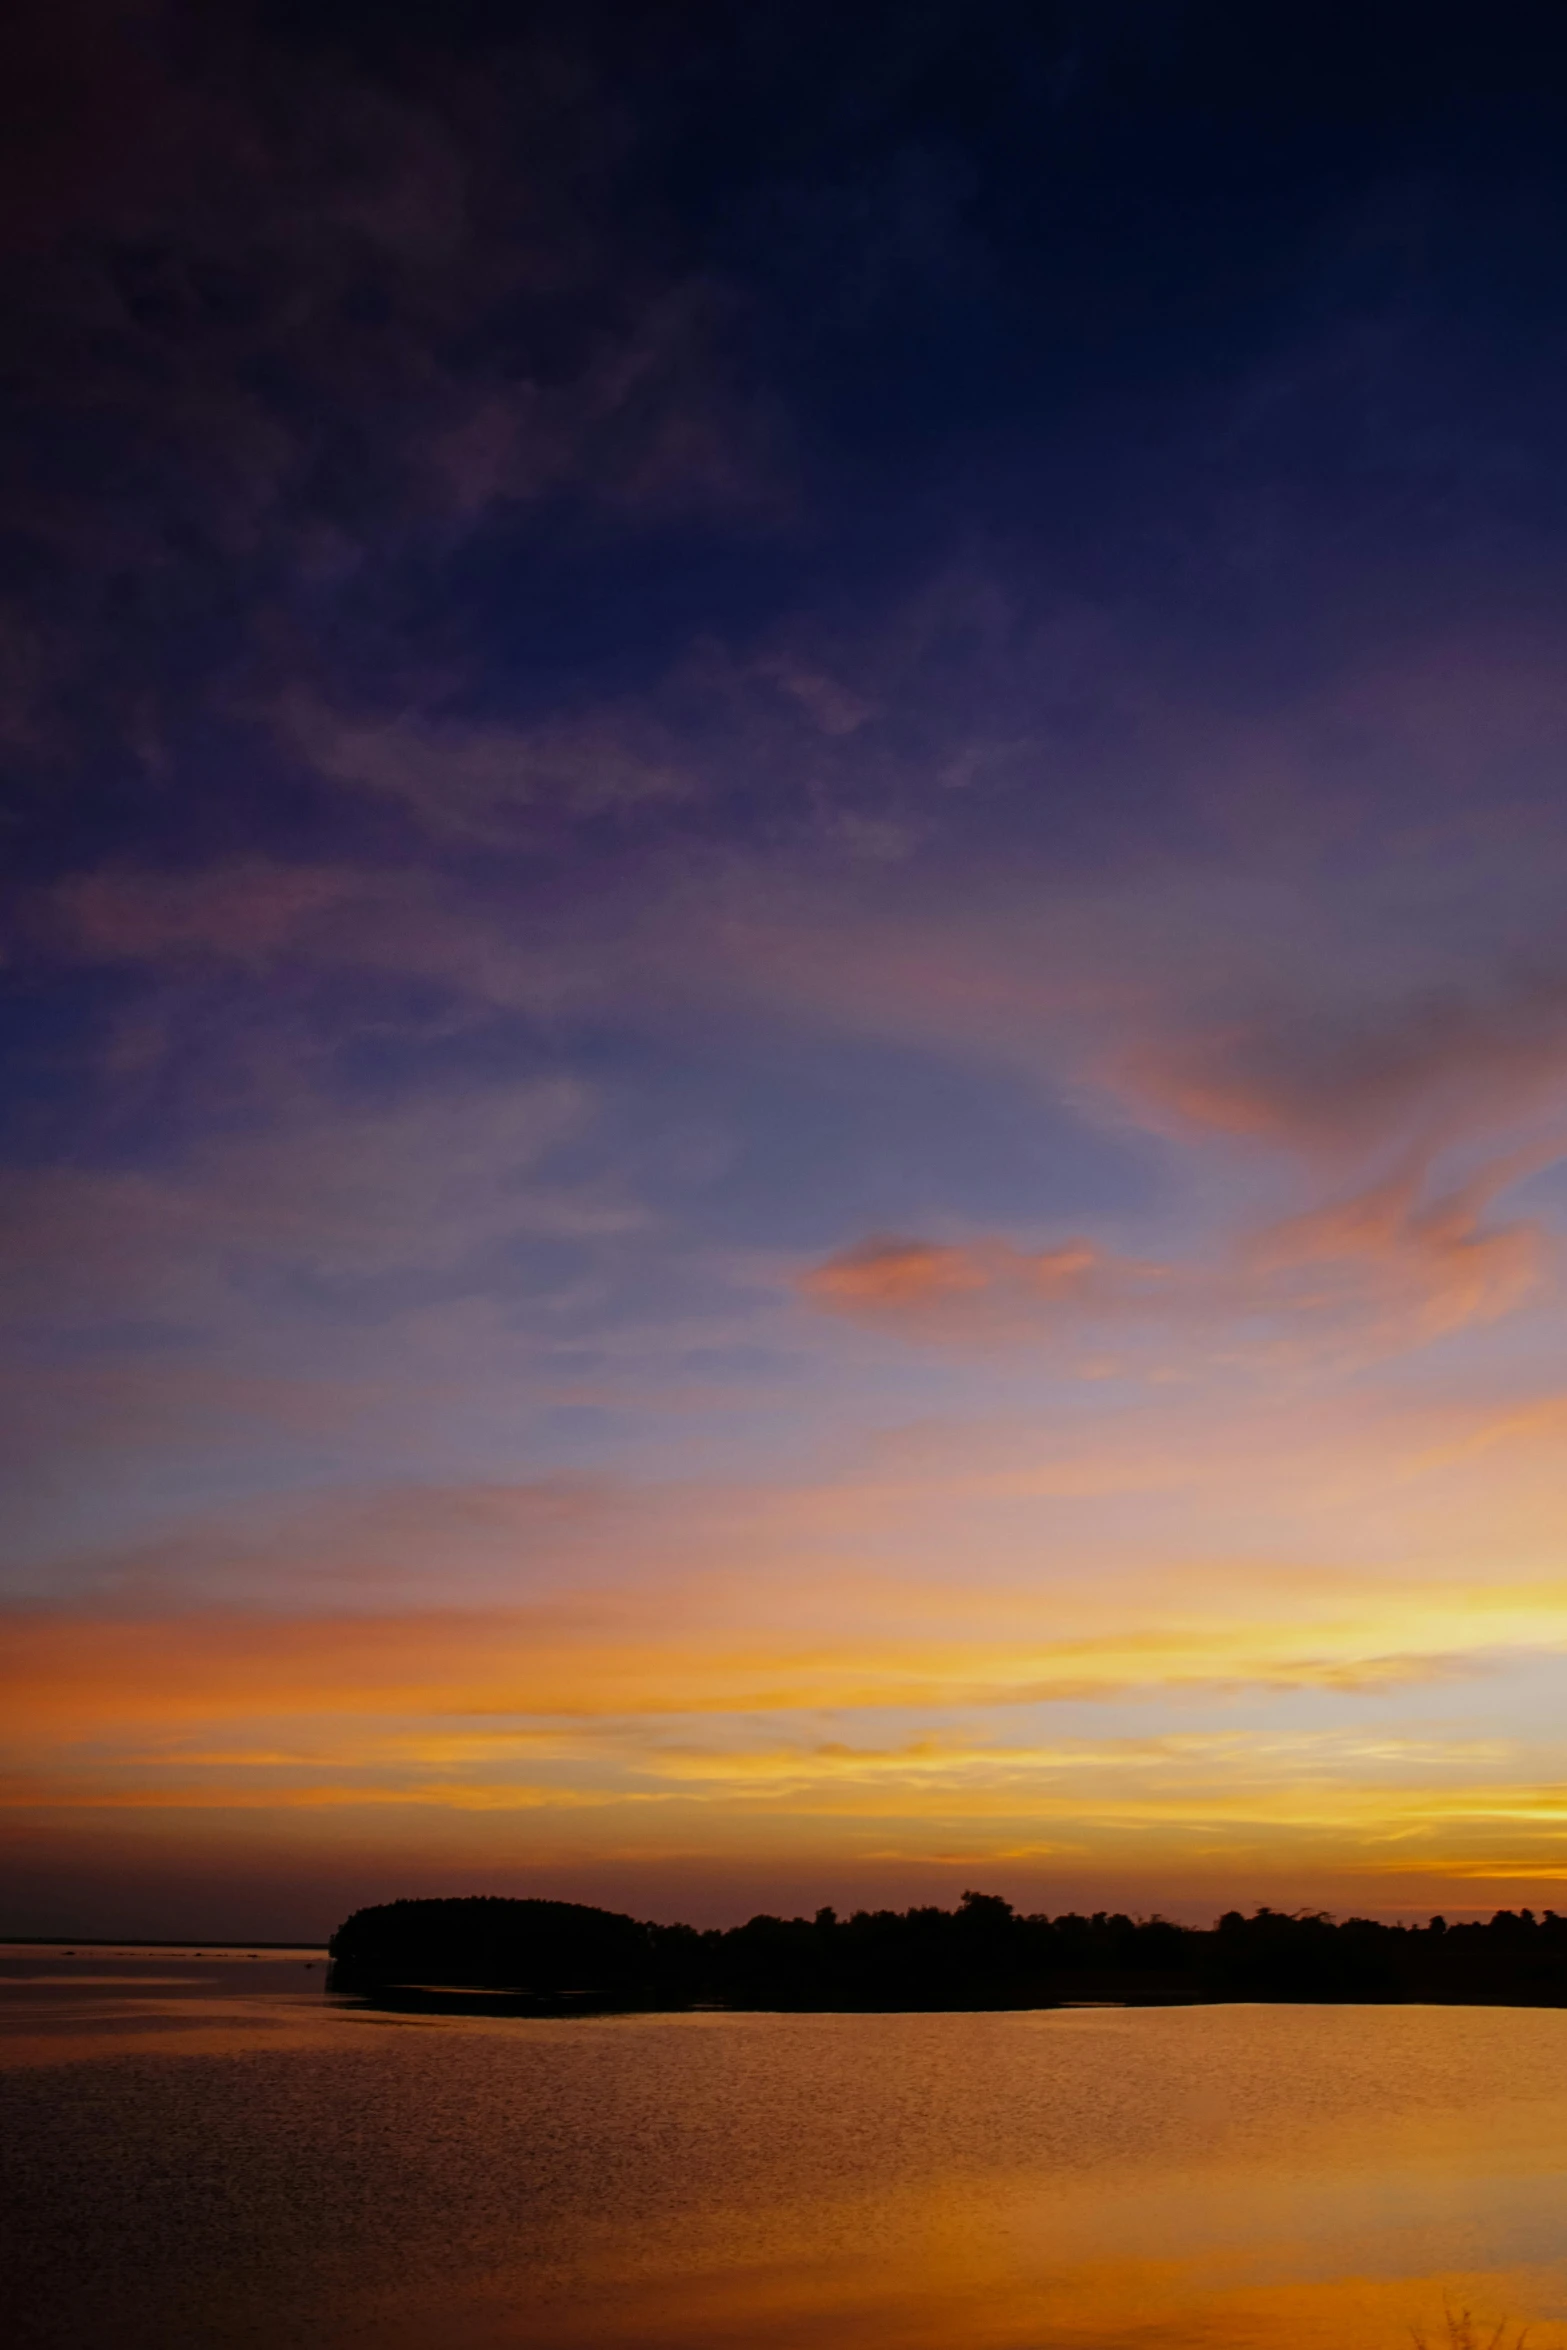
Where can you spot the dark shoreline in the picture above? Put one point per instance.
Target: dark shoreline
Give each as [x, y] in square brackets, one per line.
[416, 1999]
[564, 1958]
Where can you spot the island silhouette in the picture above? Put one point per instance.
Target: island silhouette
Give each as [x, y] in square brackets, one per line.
[485, 1953]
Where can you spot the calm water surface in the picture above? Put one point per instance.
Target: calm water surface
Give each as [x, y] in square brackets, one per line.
[207, 2151]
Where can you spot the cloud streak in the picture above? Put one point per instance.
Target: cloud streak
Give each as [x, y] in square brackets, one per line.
[1383, 1270]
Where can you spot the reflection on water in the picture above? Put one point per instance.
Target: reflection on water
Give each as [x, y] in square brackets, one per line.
[212, 2152]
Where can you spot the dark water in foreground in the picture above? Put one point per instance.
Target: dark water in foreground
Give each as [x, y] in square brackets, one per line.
[196, 2154]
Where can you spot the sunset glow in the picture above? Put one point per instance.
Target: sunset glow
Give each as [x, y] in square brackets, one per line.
[788, 1037]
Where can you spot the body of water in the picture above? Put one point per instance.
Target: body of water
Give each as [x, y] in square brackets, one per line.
[206, 2151]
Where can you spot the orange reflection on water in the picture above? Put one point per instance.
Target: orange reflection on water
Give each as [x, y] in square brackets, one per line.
[1298, 2211]
[1231, 2177]
[952, 2293]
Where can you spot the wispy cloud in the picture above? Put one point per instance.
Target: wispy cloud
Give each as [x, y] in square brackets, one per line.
[315, 1194]
[478, 781]
[308, 321]
[1382, 1270]
[615, 1655]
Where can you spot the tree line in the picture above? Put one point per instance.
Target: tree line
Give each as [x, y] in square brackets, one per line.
[559, 1956]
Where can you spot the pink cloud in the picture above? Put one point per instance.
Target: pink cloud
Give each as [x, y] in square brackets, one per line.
[1247, 1001]
[243, 912]
[1449, 1055]
[1379, 1271]
[926, 1280]
[315, 920]
[1432, 1267]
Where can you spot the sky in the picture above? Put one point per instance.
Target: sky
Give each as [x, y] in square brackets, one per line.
[785, 1019]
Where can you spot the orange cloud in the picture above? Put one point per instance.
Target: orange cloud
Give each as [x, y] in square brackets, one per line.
[1435, 1264]
[74, 1675]
[640, 1751]
[891, 1275]
[721, 1645]
[1378, 1270]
